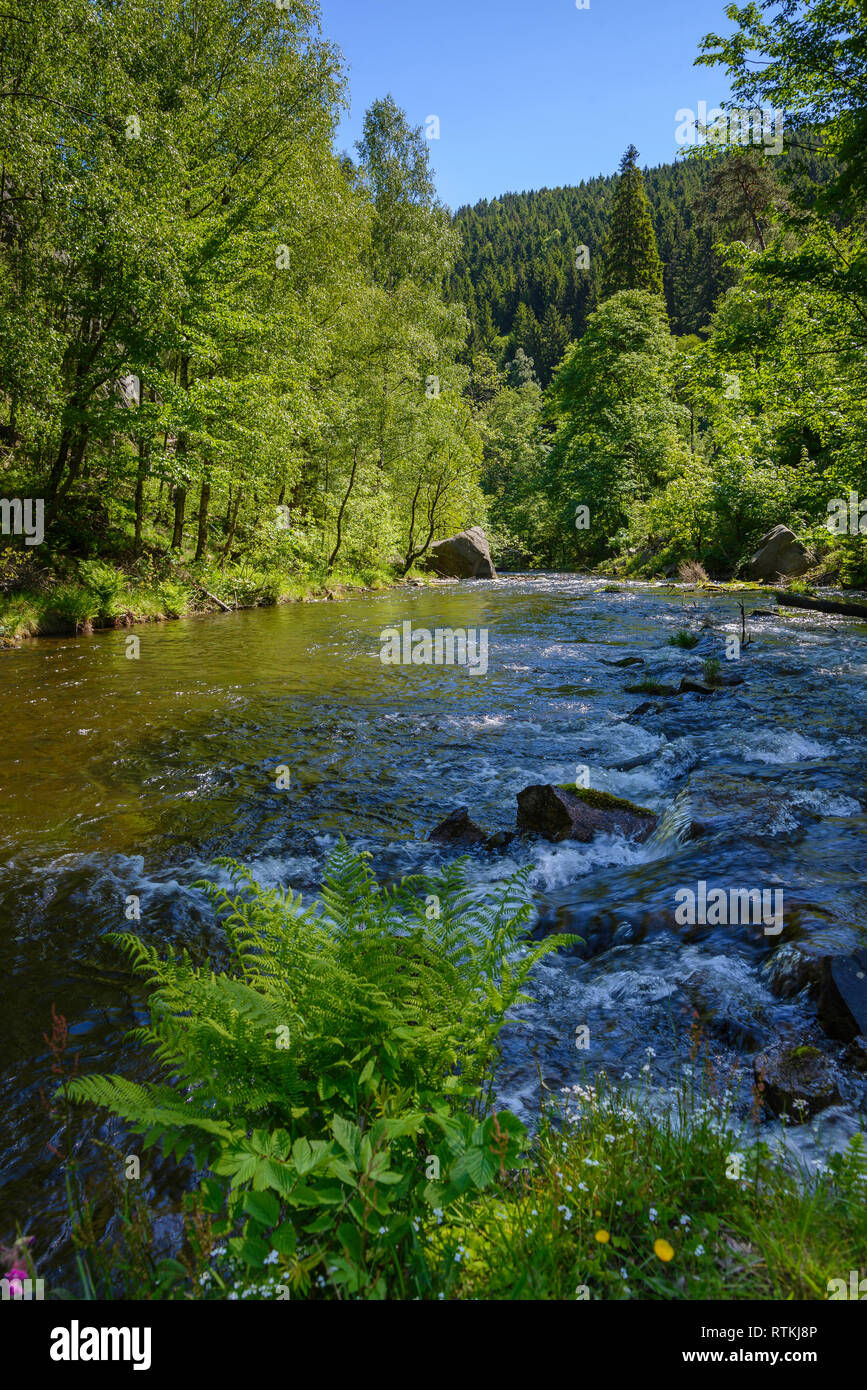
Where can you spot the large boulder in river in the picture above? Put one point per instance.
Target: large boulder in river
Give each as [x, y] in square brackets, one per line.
[464, 556]
[578, 813]
[779, 553]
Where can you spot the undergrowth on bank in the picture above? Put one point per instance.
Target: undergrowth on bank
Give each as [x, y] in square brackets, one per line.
[94, 593]
[333, 1088]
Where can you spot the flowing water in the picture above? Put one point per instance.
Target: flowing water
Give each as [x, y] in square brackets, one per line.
[126, 778]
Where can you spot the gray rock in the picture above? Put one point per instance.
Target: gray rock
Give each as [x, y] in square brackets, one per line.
[464, 556]
[780, 552]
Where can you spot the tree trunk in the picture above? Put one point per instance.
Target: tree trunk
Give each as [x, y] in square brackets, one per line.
[180, 508]
[143, 470]
[59, 464]
[204, 502]
[232, 525]
[180, 450]
[334, 552]
[75, 462]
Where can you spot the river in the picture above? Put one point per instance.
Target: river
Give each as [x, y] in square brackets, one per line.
[126, 777]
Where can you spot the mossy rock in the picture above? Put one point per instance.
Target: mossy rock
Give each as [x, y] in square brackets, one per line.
[649, 688]
[604, 801]
[798, 1082]
[569, 812]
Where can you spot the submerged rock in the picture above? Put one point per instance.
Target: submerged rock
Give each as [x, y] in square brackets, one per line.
[792, 967]
[650, 688]
[464, 556]
[458, 829]
[727, 1003]
[796, 1081]
[578, 813]
[646, 707]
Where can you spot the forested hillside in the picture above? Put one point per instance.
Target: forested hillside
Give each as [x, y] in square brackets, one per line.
[517, 273]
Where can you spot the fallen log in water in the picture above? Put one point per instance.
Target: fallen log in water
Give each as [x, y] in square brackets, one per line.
[821, 605]
[226, 607]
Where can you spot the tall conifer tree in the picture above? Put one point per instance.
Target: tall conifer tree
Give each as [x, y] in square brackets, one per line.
[631, 259]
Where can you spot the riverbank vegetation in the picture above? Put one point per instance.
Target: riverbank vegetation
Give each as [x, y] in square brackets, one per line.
[223, 344]
[80, 596]
[328, 1088]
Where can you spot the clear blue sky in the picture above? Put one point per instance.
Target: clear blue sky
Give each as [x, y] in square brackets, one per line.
[530, 93]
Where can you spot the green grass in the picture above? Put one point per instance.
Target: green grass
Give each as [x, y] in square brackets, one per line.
[70, 607]
[711, 671]
[684, 639]
[19, 616]
[609, 1177]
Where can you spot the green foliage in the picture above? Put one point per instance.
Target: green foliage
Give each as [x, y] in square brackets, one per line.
[617, 434]
[631, 260]
[684, 639]
[106, 584]
[277, 315]
[711, 670]
[347, 1045]
[518, 261]
[648, 687]
[72, 607]
[624, 1199]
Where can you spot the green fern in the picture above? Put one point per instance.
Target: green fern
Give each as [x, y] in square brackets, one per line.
[373, 1012]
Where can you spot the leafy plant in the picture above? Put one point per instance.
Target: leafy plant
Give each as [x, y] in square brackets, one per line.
[335, 1080]
[684, 639]
[106, 584]
[73, 607]
[711, 670]
[175, 598]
